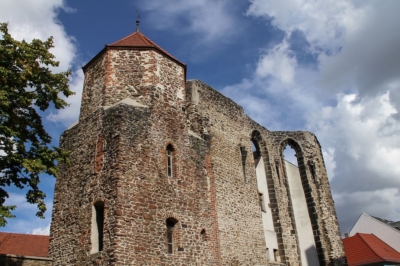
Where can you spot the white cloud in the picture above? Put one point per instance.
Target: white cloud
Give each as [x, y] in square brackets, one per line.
[38, 19]
[211, 19]
[28, 20]
[41, 230]
[71, 113]
[367, 156]
[350, 100]
[323, 22]
[368, 61]
[277, 62]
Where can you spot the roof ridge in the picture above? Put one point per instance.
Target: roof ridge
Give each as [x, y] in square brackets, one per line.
[136, 40]
[378, 220]
[147, 40]
[126, 37]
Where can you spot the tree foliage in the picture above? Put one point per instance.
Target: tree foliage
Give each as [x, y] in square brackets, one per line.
[26, 86]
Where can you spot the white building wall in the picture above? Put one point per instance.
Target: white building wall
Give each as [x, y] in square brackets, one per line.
[308, 251]
[369, 225]
[268, 224]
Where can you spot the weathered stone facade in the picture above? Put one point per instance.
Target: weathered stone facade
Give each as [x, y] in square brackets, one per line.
[136, 102]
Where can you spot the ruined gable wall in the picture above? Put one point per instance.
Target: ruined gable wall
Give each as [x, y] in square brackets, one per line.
[208, 191]
[241, 235]
[228, 128]
[317, 191]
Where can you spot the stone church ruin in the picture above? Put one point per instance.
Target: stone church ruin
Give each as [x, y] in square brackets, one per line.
[168, 171]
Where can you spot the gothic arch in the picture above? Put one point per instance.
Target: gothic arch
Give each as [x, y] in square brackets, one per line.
[302, 165]
[178, 230]
[170, 160]
[261, 147]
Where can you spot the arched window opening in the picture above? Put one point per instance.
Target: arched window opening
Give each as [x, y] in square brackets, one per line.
[171, 222]
[243, 153]
[203, 234]
[311, 166]
[97, 227]
[276, 255]
[170, 168]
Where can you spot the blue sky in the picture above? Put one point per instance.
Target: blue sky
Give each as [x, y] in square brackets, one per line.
[330, 67]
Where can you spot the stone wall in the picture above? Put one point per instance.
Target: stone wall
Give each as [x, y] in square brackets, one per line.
[229, 128]
[143, 75]
[134, 105]
[239, 218]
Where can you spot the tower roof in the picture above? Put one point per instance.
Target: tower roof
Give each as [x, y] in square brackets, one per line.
[136, 40]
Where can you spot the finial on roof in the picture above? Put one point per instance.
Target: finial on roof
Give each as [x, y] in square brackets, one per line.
[137, 20]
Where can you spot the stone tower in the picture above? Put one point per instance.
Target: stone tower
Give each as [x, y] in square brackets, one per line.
[162, 172]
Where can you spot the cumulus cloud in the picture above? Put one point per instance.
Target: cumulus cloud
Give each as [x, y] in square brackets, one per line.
[71, 113]
[278, 62]
[41, 230]
[350, 98]
[38, 19]
[357, 133]
[368, 61]
[323, 22]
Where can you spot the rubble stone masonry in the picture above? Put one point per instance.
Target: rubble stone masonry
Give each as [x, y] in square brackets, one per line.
[135, 103]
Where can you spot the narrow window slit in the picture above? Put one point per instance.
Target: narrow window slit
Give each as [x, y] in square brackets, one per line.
[243, 152]
[170, 222]
[170, 170]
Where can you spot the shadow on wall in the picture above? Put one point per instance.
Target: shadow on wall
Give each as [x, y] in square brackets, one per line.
[21, 260]
[340, 261]
[311, 261]
[310, 254]
[7, 261]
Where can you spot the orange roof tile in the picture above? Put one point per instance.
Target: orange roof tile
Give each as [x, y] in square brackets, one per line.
[24, 244]
[363, 249]
[138, 40]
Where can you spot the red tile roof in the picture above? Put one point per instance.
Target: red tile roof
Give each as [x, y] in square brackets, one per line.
[363, 249]
[138, 40]
[24, 244]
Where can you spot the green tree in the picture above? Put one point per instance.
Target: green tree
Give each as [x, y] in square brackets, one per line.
[27, 85]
